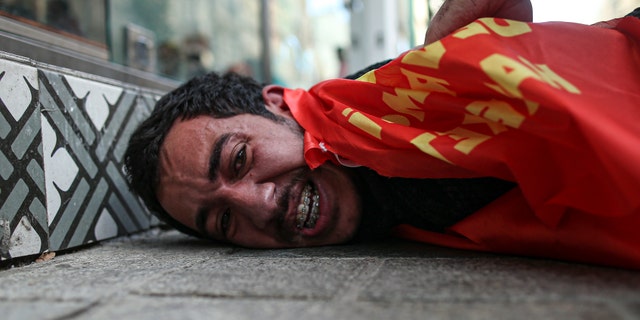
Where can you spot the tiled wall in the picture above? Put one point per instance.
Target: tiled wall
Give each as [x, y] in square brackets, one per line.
[62, 139]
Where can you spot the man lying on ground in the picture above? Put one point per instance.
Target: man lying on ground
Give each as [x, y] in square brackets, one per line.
[502, 136]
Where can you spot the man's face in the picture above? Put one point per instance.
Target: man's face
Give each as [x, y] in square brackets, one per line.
[244, 180]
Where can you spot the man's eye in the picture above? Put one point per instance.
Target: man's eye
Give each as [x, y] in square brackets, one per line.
[224, 221]
[240, 160]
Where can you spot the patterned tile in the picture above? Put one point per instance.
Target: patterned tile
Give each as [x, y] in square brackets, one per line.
[23, 226]
[62, 142]
[146, 102]
[84, 136]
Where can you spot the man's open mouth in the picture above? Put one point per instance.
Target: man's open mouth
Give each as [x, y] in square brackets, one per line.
[309, 208]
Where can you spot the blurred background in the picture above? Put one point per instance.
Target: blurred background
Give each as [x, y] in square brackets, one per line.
[290, 42]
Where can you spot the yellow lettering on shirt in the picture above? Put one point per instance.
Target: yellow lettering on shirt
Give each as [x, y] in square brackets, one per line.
[423, 142]
[512, 29]
[429, 56]
[423, 82]
[498, 111]
[363, 123]
[470, 30]
[531, 106]
[397, 119]
[509, 73]
[467, 139]
[368, 77]
[553, 79]
[403, 102]
[495, 127]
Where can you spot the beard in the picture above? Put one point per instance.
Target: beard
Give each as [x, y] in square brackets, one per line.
[284, 232]
[368, 229]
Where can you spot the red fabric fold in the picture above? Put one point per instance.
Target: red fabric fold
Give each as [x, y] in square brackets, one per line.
[551, 106]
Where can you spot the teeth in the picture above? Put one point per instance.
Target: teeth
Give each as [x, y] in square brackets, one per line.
[308, 209]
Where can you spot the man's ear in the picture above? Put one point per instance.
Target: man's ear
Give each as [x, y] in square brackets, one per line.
[273, 99]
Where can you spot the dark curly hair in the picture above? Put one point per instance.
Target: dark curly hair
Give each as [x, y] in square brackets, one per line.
[218, 96]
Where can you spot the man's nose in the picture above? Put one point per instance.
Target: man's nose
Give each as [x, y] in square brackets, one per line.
[256, 202]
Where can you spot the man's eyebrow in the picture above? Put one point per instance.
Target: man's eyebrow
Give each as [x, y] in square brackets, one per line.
[214, 160]
[214, 167]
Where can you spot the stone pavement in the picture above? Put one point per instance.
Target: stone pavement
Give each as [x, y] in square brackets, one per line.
[165, 275]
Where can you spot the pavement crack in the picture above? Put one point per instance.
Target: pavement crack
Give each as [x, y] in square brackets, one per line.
[78, 312]
[223, 296]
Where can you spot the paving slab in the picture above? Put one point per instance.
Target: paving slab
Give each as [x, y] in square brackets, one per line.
[165, 275]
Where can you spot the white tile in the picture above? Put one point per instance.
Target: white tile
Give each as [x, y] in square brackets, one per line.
[60, 169]
[14, 86]
[98, 95]
[24, 239]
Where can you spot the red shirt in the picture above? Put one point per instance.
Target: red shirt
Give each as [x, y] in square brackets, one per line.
[552, 106]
